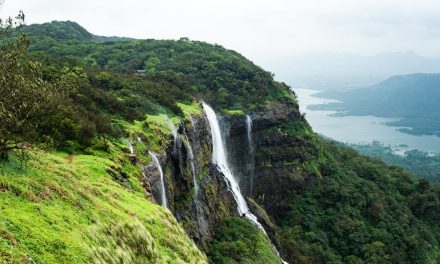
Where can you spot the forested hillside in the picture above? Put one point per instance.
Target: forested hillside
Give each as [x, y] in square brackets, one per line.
[79, 182]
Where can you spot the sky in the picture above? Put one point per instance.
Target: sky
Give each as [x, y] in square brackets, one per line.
[256, 28]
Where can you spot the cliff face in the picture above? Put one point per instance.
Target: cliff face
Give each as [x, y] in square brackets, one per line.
[198, 204]
[259, 160]
[278, 154]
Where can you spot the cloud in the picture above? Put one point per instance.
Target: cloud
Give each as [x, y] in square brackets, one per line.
[257, 28]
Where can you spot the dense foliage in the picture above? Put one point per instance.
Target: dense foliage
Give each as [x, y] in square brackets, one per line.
[237, 241]
[220, 76]
[61, 102]
[423, 165]
[42, 104]
[361, 211]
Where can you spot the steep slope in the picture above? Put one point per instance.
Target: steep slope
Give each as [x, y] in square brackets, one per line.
[319, 203]
[60, 209]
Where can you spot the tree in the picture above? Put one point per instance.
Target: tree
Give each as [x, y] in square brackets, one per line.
[151, 64]
[26, 99]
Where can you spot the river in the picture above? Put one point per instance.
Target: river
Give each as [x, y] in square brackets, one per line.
[361, 129]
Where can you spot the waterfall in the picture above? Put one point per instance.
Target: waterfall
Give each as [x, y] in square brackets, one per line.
[162, 184]
[193, 165]
[173, 129]
[251, 159]
[219, 158]
[131, 147]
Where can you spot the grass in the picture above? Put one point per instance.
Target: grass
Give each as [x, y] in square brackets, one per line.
[56, 211]
[238, 241]
[193, 109]
[233, 112]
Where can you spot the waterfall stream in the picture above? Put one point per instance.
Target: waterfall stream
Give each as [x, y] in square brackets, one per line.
[251, 159]
[173, 129]
[193, 165]
[131, 147]
[162, 184]
[219, 158]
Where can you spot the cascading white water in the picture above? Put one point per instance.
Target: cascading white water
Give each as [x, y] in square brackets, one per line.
[193, 165]
[131, 147]
[163, 195]
[173, 129]
[219, 158]
[251, 161]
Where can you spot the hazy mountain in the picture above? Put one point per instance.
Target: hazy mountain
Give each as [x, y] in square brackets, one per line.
[414, 97]
[331, 70]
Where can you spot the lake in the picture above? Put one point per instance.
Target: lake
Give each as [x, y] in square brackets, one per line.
[360, 129]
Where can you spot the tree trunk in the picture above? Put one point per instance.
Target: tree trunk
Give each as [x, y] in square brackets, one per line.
[4, 155]
[4, 150]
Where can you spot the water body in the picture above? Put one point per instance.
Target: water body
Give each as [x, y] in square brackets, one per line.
[361, 129]
[219, 158]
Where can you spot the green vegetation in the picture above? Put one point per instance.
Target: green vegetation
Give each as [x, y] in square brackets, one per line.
[220, 76]
[361, 211]
[237, 241]
[423, 165]
[71, 210]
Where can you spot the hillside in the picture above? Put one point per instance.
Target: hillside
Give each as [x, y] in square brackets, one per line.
[413, 98]
[106, 145]
[421, 164]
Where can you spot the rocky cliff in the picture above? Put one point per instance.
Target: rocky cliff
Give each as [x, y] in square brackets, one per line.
[204, 202]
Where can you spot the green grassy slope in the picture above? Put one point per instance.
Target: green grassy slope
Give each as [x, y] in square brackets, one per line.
[56, 211]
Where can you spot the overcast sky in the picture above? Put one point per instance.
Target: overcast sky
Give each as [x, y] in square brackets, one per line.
[256, 28]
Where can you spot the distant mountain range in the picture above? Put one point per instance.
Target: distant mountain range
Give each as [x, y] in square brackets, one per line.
[414, 98]
[344, 71]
